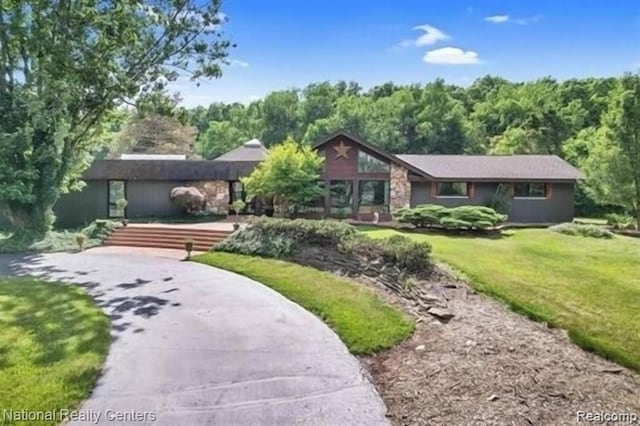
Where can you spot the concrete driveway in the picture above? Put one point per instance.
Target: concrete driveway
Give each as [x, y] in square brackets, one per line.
[194, 345]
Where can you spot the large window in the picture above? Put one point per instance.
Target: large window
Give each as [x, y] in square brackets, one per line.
[452, 189]
[117, 191]
[370, 164]
[373, 196]
[530, 190]
[341, 196]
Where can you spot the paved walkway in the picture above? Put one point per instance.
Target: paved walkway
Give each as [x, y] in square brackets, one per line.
[196, 345]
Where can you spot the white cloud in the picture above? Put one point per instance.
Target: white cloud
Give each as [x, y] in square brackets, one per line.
[503, 19]
[431, 35]
[238, 63]
[497, 19]
[451, 56]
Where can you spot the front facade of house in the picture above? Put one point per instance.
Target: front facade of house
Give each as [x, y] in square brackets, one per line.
[359, 180]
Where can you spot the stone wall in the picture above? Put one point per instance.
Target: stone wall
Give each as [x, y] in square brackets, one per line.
[400, 187]
[216, 193]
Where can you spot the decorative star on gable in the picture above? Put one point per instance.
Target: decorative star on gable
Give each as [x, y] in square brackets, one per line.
[342, 150]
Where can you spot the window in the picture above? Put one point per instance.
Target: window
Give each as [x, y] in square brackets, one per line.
[117, 191]
[341, 194]
[237, 192]
[373, 196]
[452, 189]
[530, 190]
[370, 164]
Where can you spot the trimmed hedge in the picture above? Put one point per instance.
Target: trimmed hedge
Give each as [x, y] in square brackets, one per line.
[575, 229]
[460, 218]
[285, 238]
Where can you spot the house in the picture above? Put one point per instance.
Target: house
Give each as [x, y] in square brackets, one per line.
[359, 180]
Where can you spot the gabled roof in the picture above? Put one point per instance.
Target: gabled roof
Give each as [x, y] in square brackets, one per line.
[252, 150]
[494, 167]
[390, 157]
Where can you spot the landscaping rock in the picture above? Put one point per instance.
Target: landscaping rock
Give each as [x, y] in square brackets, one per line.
[440, 313]
[421, 348]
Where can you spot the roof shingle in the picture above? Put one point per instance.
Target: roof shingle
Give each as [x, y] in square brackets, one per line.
[494, 167]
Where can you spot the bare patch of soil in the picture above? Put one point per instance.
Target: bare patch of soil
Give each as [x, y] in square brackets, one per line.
[491, 366]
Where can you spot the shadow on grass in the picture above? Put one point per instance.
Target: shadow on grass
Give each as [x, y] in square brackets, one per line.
[121, 302]
[61, 319]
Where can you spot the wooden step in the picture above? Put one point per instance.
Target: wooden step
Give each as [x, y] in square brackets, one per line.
[165, 237]
[148, 244]
[153, 231]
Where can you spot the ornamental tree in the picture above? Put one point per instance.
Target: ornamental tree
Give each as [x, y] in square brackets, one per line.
[289, 174]
[66, 64]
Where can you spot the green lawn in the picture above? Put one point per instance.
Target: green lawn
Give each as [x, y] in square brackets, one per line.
[53, 342]
[591, 287]
[364, 322]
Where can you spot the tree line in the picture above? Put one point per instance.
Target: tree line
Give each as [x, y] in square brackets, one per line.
[581, 120]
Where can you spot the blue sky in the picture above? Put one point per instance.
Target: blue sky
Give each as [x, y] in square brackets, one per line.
[290, 43]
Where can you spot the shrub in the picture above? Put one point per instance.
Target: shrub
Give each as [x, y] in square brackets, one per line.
[575, 229]
[258, 243]
[100, 229]
[279, 238]
[315, 232]
[500, 201]
[463, 217]
[620, 221]
[407, 254]
[189, 198]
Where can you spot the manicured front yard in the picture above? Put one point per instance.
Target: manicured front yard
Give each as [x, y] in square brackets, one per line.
[591, 287]
[53, 342]
[364, 322]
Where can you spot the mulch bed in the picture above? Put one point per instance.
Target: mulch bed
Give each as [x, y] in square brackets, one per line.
[491, 366]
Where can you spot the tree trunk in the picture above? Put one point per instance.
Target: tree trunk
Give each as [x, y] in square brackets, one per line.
[30, 219]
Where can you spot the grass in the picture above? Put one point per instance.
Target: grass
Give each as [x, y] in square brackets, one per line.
[364, 322]
[53, 342]
[588, 286]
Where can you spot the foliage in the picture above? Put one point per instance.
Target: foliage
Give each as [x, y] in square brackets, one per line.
[591, 289]
[67, 65]
[362, 321]
[576, 229]
[289, 174]
[619, 221]
[154, 134]
[500, 201]
[100, 229]
[283, 238]
[409, 255]
[189, 198]
[60, 240]
[462, 217]
[613, 163]
[492, 115]
[237, 206]
[54, 341]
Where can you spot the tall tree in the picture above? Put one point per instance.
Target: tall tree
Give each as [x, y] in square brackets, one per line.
[613, 165]
[64, 64]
